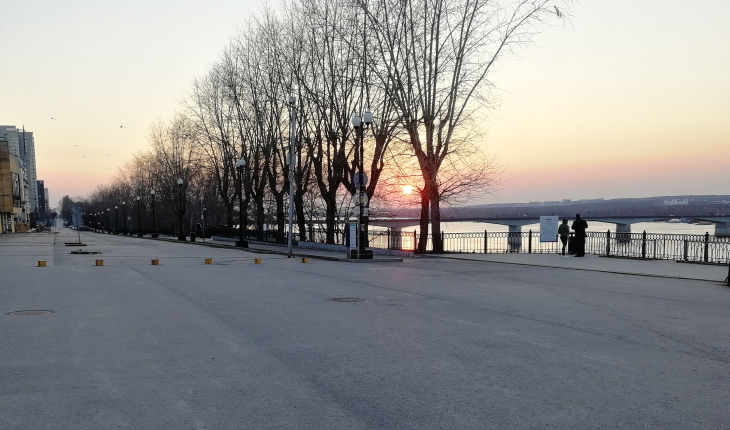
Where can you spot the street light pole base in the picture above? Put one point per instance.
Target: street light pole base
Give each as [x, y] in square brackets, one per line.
[360, 254]
[140, 235]
[155, 235]
[242, 243]
[181, 238]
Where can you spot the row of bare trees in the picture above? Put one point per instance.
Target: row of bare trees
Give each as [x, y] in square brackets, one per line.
[422, 66]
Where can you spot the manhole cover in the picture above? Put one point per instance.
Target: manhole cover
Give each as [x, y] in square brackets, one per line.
[348, 299]
[29, 313]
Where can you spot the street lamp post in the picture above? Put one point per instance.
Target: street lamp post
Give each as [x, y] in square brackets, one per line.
[360, 181]
[108, 221]
[181, 236]
[154, 222]
[292, 159]
[139, 220]
[116, 219]
[240, 165]
[203, 217]
[124, 218]
[78, 226]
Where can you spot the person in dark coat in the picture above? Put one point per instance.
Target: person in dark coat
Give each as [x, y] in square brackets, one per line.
[563, 232]
[579, 226]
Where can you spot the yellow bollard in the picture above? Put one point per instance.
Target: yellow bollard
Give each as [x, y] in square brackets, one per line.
[41, 264]
[99, 262]
[155, 262]
[208, 261]
[257, 260]
[305, 260]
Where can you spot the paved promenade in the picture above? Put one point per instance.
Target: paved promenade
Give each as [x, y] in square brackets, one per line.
[656, 268]
[450, 342]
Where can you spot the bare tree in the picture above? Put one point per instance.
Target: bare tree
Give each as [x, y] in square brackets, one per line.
[421, 65]
[327, 77]
[211, 121]
[175, 157]
[436, 56]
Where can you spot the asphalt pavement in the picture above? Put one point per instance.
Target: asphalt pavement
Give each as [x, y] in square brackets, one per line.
[425, 343]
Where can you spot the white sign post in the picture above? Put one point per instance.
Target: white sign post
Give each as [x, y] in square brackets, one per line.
[352, 235]
[549, 228]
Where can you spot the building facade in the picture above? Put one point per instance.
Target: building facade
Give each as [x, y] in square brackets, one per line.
[9, 133]
[26, 144]
[42, 206]
[21, 143]
[12, 190]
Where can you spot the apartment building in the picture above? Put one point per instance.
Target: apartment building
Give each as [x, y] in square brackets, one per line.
[12, 191]
[21, 143]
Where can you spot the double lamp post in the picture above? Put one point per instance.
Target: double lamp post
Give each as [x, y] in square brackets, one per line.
[360, 180]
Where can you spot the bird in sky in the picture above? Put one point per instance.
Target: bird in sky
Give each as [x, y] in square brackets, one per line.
[54, 119]
[76, 146]
[121, 126]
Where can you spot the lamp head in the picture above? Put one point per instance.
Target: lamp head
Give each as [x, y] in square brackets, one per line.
[116, 207]
[356, 120]
[179, 181]
[138, 198]
[367, 116]
[240, 163]
[292, 101]
[152, 192]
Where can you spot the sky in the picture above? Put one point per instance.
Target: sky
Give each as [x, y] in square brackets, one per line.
[628, 99]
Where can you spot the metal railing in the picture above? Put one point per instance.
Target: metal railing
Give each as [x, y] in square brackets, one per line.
[680, 247]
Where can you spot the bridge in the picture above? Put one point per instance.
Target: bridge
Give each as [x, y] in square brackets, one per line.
[515, 224]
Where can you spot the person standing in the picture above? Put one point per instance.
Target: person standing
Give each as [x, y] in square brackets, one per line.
[579, 226]
[563, 232]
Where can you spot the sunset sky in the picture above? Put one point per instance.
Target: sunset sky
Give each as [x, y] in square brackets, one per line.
[630, 99]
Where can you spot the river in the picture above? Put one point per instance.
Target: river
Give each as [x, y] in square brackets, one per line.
[650, 227]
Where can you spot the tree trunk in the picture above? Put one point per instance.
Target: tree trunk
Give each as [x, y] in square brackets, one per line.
[301, 222]
[280, 218]
[438, 243]
[331, 219]
[244, 215]
[260, 217]
[229, 216]
[423, 234]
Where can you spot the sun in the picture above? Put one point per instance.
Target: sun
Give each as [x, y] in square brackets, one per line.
[407, 189]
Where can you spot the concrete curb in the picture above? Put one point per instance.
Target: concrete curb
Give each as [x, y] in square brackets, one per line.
[276, 252]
